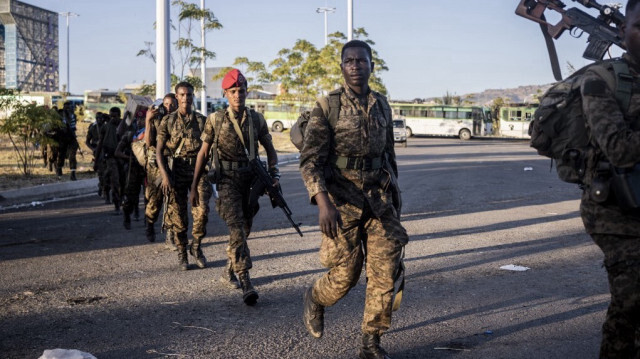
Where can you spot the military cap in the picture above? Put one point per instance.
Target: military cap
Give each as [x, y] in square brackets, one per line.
[233, 78]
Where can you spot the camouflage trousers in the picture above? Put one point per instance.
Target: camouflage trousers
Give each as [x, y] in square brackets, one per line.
[232, 206]
[379, 243]
[68, 149]
[153, 194]
[112, 177]
[177, 219]
[135, 180]
[621, 329]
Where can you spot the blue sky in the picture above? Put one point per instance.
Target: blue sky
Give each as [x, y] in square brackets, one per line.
[431, 47]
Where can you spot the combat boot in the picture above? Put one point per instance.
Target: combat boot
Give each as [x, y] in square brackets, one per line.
[58, 172]
[228, 277]
[249, 295]
[168, 241]
[127, 220]
[313, 314]
[196, 252]
[371, 348]
[183, 262]
[73, 175]
[151, 232]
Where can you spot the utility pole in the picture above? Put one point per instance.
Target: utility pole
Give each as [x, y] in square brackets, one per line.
[68, 15]
[326, 10]
[349, 20]
[203, 70]
[163, 56]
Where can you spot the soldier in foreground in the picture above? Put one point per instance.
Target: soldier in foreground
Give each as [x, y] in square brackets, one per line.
[234, 134]
[356, 211]
[153, 193]
[615, 138]
[179, 134]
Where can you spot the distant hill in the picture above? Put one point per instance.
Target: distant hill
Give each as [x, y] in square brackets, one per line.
[521, 94]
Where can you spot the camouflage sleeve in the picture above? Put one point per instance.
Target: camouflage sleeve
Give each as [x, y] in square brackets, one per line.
[389, 148]
[619, 143]
[315, 152]
[163, 133]
[209, 129]
[264, 137]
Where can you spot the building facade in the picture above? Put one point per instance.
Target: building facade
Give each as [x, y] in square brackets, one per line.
[28, 47]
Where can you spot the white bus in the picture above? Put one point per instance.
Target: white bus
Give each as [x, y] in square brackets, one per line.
[444, 120]
[514, 120]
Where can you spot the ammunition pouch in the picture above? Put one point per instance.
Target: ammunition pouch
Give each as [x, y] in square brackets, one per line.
[625, 183]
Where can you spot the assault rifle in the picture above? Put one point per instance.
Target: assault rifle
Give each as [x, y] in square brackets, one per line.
[277, 200]
[603, 31]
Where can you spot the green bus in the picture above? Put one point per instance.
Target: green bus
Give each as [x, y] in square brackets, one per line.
[280, 115]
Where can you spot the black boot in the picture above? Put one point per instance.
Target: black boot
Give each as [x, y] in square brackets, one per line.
[183, 262]
[228, 277]
[371, 348]
[151, 232]
[313, 314]
[196, 252]
[168, 241]
[136, 213]
[58, 172]
[73, 175]
[249, 295]
[127, 220]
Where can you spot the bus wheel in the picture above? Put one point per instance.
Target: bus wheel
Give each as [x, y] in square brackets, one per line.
[409, 132]
[277, 126]
[465, 134]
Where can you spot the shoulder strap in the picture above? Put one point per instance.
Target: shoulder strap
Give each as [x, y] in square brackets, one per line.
[331, 106]
[217, 125]
[621, 82]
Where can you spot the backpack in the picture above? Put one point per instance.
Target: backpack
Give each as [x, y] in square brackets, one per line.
[331, 109]
[559, 129]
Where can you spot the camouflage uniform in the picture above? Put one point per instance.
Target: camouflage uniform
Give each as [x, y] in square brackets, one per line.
[371, 230]
[616, 138]
[235, 183]
[153, 193]
[182, 175]
[109, 161]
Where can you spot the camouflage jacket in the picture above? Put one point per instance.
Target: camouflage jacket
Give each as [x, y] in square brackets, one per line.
[174, 128]
[360, 131]
[230, 148]
[616, 137]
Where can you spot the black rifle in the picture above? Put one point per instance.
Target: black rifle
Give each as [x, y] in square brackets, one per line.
[603, 31]
[277, 200]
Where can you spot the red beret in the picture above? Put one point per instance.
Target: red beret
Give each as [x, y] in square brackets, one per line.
[233, 78]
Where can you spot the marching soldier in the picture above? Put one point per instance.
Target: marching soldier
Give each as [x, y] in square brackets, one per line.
[179, 133]
[234, 134]
[350, 135]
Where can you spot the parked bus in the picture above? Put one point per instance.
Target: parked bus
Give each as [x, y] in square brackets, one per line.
[444, 120]
[514, 120]
[280, 115]
[101, 101]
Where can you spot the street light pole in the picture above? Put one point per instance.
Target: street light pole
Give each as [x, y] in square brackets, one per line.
[349, 20]
[68, 15]
[325, 10]
[203, 67]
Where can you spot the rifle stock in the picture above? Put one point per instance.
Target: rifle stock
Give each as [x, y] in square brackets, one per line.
[277, 200]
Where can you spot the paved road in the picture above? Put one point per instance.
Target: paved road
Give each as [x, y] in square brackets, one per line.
[73, 277]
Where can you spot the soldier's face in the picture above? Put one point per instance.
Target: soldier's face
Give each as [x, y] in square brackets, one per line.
[356, 67]
[184, 95]
[169, 104]
[631, 33]
[237, 97]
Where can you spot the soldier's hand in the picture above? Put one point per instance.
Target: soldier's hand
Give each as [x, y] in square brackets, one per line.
[166, 186]
[193, 197]
[276, 182]
[328, 216]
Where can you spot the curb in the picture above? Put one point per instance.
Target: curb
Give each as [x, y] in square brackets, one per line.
[57, 191]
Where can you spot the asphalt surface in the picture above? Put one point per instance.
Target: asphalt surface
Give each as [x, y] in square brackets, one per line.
[73, 277]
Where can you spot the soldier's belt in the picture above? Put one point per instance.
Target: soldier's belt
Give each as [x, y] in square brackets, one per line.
[233, 165]
[189, 161]
[358, 163]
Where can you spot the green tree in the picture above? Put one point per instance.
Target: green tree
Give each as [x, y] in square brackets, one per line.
[254, 71]
[298, 70]
[26, 125]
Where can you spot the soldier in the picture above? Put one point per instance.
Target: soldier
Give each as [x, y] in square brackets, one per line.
[69, 147]
[135, 172]
[615, 138]
[231, 154]
[356, 211]
[153, 194]
[92, 139]
[106, 153]
[179, 133]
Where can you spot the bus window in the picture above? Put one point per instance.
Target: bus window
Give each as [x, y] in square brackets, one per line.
[435, 113]
[528, 116]
[451, 114]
